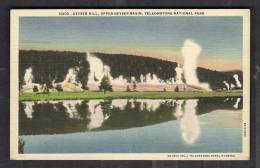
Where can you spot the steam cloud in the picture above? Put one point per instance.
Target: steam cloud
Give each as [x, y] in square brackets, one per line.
[190, 53]
[179, 72]
[226, 84]
[238, 83]
[71, 76]
[28, 76]
[28, 81]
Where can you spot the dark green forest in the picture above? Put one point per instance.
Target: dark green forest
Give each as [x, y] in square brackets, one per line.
[216, 78]
[52, 65]
[131, 65]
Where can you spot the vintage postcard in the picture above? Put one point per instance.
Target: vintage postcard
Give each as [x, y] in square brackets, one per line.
[130, 84]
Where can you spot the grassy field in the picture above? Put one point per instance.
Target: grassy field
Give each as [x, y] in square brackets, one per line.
[112, 95]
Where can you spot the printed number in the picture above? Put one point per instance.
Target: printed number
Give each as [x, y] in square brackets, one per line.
[63, 13]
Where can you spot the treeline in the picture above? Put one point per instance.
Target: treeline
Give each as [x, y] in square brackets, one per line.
[216, 78]
[52, 65]
[132, 65]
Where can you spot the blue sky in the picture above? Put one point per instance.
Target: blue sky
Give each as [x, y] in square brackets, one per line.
[219, 37]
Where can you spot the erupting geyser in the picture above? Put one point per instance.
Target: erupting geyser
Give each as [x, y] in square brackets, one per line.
[96, 69]
[28, 76]
[28, 81]
[232, 86]
[70, 83]
[190, 52]
[179, 72]
[238, 83]
[71, 76]
[226, 84]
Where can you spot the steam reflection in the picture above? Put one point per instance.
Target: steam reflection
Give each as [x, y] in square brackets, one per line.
[67, 116]
[189, 123]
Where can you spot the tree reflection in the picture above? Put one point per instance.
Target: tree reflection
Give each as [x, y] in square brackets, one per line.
[67, 116]
[21, 144]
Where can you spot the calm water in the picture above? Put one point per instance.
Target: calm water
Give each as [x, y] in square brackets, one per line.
[131, 125]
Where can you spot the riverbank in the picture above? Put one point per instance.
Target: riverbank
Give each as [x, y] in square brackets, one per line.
[116, 95]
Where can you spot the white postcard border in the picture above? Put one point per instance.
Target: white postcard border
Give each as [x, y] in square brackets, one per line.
[14, 89]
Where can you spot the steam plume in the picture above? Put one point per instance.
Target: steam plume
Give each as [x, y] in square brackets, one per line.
[71, 76]
[238, 84]
[226, 84]
[179, 72]
[28, 76]
[190, 53]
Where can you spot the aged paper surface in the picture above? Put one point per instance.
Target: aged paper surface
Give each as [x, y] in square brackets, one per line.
[130, 84]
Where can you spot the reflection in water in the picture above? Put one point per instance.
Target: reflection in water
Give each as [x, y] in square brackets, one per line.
[237, 103]
[28, 109]
[117, 114]
[21, 144]
[179, 112]
[119, 103]
[96, 116]
[71, 108]
[71, 116]
[190, 128]
[150, 104]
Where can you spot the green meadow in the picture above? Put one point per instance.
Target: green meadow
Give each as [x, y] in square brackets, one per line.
[85, 95]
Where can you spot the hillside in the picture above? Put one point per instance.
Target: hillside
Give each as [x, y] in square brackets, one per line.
[53, 66]
[131, 65]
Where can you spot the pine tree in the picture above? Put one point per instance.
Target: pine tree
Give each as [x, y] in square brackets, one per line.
[128, 88]
[45, 89]
[176, 89]
[59, 88]
[105, 85]
[35, 89]
[134, 86]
